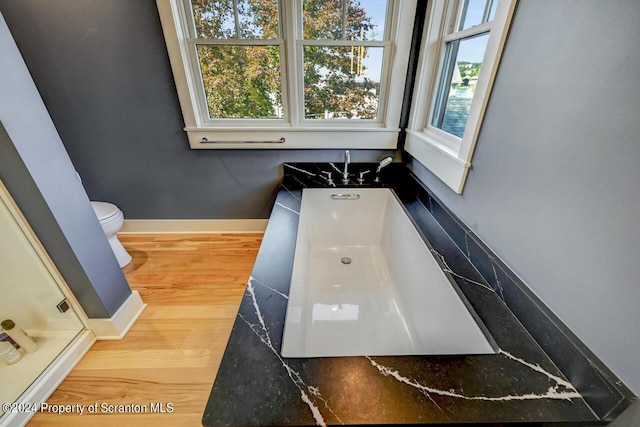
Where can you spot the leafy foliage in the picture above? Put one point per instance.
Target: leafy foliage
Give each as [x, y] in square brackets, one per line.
[244, 81]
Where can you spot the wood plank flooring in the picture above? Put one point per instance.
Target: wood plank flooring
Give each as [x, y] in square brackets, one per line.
[193, 285]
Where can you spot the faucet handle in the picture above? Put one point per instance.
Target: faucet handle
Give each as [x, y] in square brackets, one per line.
[361, 177]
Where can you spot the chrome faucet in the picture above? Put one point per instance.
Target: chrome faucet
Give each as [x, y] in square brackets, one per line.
[345, 174]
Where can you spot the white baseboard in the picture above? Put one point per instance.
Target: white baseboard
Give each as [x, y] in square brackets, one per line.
[175, 226]
[50, 379]
[119, 324]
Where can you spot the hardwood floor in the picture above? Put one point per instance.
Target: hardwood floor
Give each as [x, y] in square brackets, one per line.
[193, 285]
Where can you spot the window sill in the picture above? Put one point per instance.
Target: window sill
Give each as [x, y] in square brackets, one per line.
[294, 138]
[442, 161]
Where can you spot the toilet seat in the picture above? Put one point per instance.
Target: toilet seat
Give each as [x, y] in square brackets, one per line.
[105, 211]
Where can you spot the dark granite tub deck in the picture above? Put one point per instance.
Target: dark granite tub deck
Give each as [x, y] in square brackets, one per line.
[520, 385]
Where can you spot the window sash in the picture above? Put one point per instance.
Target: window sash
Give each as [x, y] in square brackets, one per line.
[469, 32]
[386, 31]
[187, 8]
[442, 97]
[201, 98]
[195, 70]
[463, 7]
[438, 98]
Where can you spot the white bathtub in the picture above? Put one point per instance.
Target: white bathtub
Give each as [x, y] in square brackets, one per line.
[391, 299]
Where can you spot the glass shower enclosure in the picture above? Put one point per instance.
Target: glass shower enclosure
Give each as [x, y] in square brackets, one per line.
[31, 297]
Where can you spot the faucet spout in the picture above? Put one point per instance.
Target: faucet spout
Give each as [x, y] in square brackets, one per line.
[345, 173]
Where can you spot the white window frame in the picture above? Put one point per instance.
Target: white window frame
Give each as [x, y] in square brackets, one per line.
[296, 131]
[444, 154]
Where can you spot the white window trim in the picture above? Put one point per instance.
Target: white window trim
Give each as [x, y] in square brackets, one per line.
[297, 133]
[446, 155]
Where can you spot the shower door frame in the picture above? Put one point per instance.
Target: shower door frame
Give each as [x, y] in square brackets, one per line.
[64, 362]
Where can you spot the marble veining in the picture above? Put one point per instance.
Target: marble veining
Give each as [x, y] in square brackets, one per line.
[301, 170]
[287, 208]
[453, 273]
[307, 392]
[496, 286]
[335, 168]
[497, 281]
[552, 392]
[253, 279]
[291, 193]
[559, 381]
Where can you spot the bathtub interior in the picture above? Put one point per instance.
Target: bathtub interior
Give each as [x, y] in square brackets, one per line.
[364, 283]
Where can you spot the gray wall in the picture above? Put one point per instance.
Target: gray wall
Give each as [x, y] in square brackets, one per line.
[103, 72]
[39, 175]
[555, 183]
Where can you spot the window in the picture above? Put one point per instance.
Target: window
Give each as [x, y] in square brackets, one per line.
[240, 56]
[289, 74]
[460, 54]
[458, 80]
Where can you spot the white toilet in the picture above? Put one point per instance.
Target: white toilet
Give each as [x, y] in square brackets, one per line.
[111, 219]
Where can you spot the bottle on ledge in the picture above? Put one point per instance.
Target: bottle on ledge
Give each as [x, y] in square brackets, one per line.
[17, 334]
[8, 352]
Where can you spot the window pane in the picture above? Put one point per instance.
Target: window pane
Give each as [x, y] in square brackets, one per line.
[472, 13]
[344, 19]
[463, 60]
[492, 10]
[342, 82]
[241, 81]
[236, 19]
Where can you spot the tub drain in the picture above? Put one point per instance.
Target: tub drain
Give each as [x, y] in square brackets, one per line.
[346, 260]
